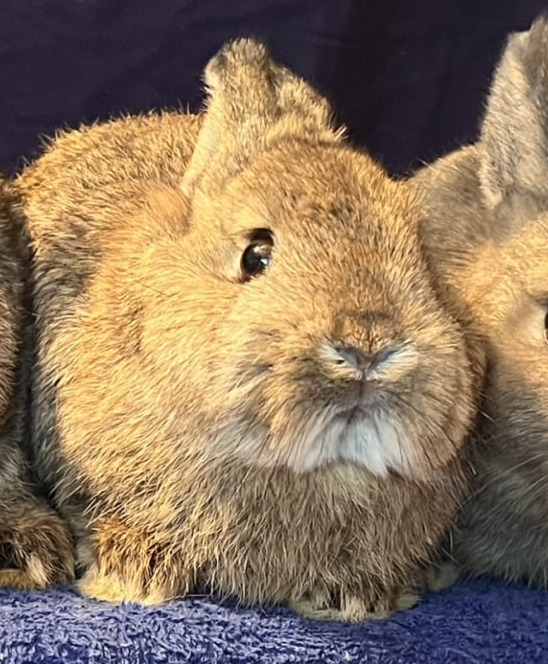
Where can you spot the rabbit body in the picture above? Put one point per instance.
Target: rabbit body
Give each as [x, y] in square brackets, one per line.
[36, 547]
[486, 230]
[285, 435]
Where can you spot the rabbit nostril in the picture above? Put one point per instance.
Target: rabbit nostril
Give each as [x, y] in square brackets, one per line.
[361, 360]
[356, 358]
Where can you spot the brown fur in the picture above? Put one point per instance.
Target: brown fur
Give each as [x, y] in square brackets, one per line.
[179, 404]
[487, 232]
[35, 546]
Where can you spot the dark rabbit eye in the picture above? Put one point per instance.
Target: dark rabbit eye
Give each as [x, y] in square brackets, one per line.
[257, 255]
[546, 327]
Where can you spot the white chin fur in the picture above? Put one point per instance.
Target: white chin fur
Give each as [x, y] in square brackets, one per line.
[372, 441]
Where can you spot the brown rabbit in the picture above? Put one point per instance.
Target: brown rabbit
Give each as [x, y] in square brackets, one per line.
[245, 378]
[487, 233]
[35, 546]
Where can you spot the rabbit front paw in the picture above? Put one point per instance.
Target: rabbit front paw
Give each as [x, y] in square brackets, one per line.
[338, 605]
[442, 575]
[130, 566]
[36, 548]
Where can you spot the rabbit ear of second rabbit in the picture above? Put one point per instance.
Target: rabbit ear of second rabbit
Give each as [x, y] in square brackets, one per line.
[251, 100]
[479, 196]
[514, 133]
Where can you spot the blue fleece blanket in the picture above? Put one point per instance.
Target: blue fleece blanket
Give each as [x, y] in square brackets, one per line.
[475, 622]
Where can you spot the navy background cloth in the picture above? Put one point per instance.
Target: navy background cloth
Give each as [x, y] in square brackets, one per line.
[407, 76]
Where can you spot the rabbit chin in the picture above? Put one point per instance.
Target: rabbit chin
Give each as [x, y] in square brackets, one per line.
[371, 440]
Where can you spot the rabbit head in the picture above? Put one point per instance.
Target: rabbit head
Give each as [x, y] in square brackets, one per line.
[325, 337]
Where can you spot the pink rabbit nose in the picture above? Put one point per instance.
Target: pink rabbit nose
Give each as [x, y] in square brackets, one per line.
[360, 360]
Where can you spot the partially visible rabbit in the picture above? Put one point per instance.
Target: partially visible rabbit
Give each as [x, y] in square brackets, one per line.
[487, 233]
[36, 548]
[244, 371]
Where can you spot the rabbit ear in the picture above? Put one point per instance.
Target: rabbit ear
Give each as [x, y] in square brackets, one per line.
[250, 101]
[514, 133]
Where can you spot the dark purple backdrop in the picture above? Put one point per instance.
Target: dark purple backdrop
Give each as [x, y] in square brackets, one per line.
[407, 76]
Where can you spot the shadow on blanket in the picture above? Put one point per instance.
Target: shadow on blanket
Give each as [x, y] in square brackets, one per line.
[475, 622]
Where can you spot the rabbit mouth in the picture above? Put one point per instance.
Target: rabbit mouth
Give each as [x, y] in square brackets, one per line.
[372, 438]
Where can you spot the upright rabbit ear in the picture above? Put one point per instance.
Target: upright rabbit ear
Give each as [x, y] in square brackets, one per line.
[250, 101]
[514, 134]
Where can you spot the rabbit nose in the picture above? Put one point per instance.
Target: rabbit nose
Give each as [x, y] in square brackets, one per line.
[360, 360]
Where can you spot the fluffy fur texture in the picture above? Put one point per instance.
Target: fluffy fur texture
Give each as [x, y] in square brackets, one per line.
[204, 429]
[488, 211]
[35, 546]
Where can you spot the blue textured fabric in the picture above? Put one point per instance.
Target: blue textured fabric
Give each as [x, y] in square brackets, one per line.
[475, 622]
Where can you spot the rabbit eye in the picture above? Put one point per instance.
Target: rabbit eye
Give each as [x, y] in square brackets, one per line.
[257, 255]
[546, 327]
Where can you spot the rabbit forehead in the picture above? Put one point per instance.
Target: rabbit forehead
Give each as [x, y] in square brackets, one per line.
[527, 252]
[506, 286]
[332, 191]
[493, 257]
[518, 264]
